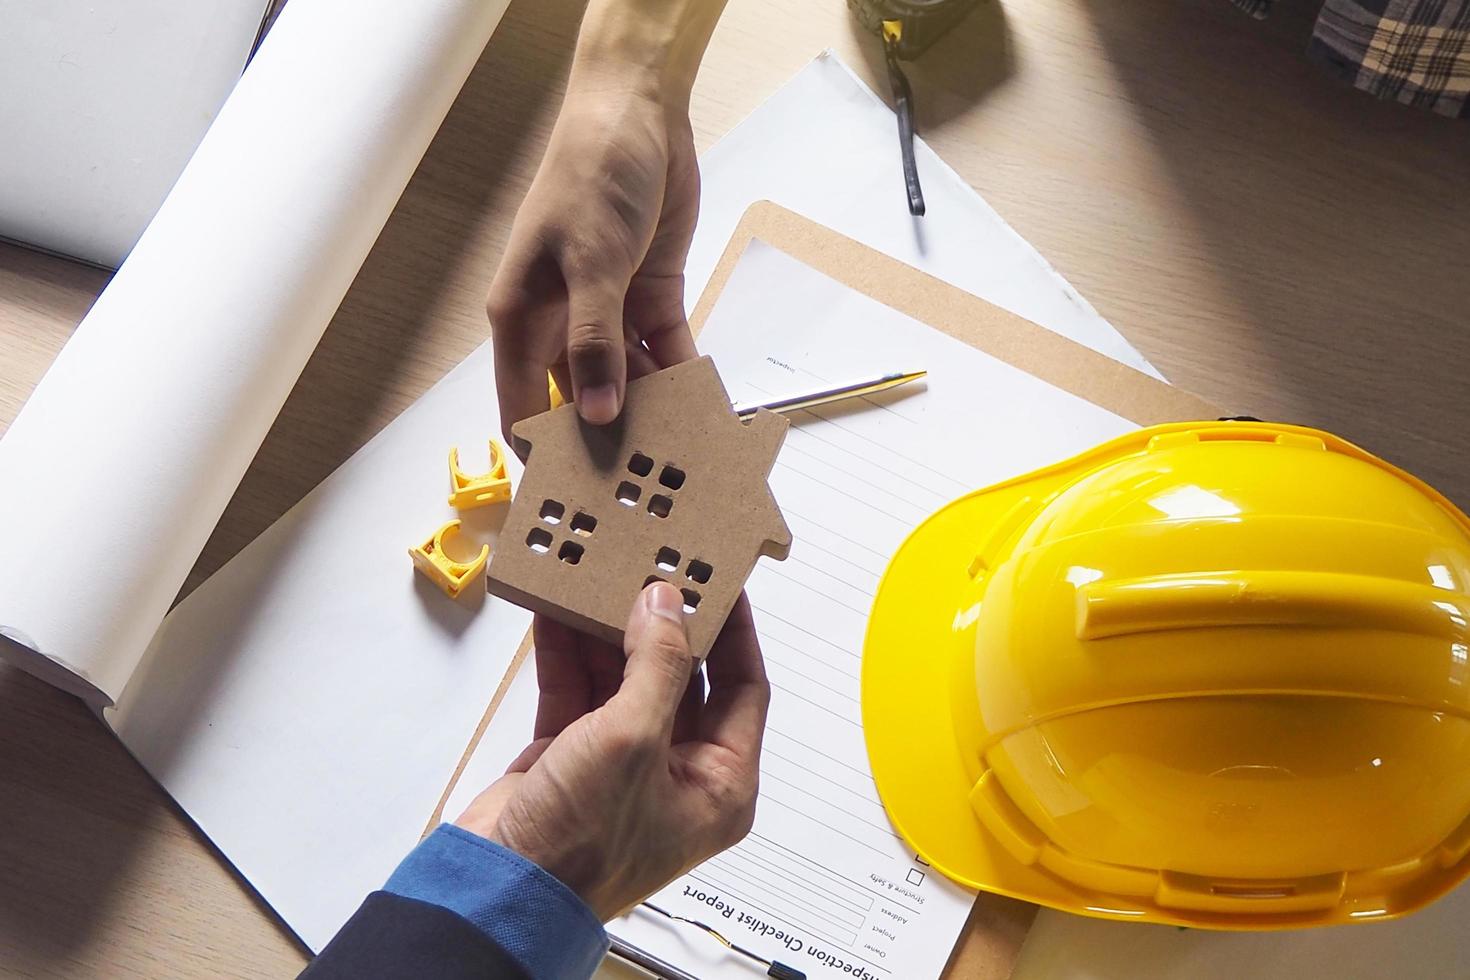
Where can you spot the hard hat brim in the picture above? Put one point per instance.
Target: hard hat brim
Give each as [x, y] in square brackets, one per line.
[907, 672]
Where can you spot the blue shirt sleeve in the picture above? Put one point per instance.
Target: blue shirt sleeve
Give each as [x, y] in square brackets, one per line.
[523, 909]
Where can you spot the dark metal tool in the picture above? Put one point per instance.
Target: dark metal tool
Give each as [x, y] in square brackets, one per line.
[908, 28]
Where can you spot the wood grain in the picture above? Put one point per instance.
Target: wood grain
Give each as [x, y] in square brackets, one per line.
[1270, 238]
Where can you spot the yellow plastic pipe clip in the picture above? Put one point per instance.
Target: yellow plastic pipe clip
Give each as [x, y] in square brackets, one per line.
[477, 491]
[445, 572]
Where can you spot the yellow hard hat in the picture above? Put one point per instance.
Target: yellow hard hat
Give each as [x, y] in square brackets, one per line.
[1210, 674]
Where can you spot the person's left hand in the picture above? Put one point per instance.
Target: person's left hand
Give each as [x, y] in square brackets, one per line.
[634, 776]
[591, 287]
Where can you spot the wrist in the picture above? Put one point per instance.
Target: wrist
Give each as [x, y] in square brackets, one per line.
[575, 864]
[650, 48]
[536, 921]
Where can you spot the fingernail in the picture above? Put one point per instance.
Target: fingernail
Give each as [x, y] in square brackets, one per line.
[664, 600]
[599, 404]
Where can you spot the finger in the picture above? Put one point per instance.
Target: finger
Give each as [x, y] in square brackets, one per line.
[672, 345]
[734, 713]
[529, 756]
[640, 361]
[595, 352]
[566, 685]
[520, 384]
[655, 308]
[659, 663]
[605, 664]
[691, 705]
[526, 307]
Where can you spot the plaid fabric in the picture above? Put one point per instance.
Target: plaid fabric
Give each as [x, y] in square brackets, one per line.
[1412, 51]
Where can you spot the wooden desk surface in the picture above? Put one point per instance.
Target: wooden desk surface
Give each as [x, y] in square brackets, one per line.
[1268, 237]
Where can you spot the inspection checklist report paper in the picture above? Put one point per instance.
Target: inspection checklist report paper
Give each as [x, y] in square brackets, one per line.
[823, 882]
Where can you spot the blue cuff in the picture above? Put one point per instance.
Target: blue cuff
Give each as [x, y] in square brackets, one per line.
[524, 910]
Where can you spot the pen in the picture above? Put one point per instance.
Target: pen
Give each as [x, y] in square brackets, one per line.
[852, 389]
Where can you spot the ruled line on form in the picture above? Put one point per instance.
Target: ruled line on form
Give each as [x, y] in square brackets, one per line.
[875, 508]
[822, 684]
[825, 595]
[867, 593]
[806, 899]
[859, 899]
[865, 773]
[801, 629]
[881, 828]
[862, 797]
[894, 450]
[820, 868]
[767, 638]
[821, 707]
[821, 527]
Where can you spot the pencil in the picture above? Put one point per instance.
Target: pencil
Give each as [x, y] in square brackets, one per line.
[810, 399]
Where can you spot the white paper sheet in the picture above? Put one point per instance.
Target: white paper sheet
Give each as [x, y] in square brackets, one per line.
[168, 386]
[825, 147]
[101, 104]
[823, 882]
[307, 705]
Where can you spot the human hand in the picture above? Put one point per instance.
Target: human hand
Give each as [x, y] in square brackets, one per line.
[634, 776]
[591, 286]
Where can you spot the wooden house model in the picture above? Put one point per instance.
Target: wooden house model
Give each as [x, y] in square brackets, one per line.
[675, 489]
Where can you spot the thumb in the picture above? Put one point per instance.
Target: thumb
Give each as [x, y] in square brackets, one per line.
[595, 349]
[659, 663]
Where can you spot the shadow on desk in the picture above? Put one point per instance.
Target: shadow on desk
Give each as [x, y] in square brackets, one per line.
[70, 825]
[1339, 223]
[99, 875]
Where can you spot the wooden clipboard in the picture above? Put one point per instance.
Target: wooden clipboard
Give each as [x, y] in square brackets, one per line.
[992, 936]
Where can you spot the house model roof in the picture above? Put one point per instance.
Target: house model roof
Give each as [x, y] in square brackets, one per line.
[675, 489]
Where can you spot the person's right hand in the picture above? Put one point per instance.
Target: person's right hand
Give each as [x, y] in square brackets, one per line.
[634, 776]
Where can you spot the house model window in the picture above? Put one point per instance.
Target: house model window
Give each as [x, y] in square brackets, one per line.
[674, 490]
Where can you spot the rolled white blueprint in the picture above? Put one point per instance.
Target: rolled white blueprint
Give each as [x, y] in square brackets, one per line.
[117, 468]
